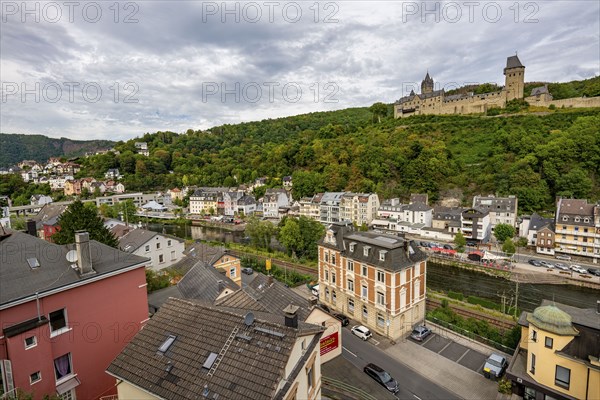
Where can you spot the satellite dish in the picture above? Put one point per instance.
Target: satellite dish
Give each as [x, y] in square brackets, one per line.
[72, 256]
[249, 319]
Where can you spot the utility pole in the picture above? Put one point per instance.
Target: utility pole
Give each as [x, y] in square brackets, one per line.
[517, 296]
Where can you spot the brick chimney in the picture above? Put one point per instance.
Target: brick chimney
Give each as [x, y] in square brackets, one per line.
[269, 280]
[84, 253]
[31, 229]
[291, 316]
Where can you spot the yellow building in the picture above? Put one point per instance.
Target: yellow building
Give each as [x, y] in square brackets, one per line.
[376, 279]
[578, 228]
[557, 357]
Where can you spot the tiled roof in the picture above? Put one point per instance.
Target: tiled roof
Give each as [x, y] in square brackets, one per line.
[240, 299]
[18, 280]
[48, 212]
[134, 239]
[275, 296]
[251, 367]
[496, 204]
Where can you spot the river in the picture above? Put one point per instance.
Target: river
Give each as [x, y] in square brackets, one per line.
[439, 277]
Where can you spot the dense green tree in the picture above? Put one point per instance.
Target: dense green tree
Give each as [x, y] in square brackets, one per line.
[503, 232]
[379, 110]
[260, 232]
[79, 217]
[460, 242]
[508, 247]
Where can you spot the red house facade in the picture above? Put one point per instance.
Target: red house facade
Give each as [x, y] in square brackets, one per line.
[63, 322]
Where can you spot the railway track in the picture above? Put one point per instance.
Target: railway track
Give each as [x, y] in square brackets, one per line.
[498, 323]
[286, 264]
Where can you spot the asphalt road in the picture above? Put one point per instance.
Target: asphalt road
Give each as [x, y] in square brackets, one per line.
[412, 385]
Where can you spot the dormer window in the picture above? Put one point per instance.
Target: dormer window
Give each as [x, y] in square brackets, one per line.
[565, 218]
[577, 219]
[382, 255]
[352, 245]
[366, 251]
[586, 220]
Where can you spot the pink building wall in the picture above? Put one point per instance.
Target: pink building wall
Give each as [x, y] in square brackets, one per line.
[103, 317]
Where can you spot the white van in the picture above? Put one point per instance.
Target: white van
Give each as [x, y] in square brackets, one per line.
[315, 290]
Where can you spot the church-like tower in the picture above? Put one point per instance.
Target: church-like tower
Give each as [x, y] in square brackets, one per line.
[514, 81]
[427, 84]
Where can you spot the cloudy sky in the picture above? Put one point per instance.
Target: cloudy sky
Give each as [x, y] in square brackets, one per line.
[106, 70]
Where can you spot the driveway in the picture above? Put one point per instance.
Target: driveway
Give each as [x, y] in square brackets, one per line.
[456, 352]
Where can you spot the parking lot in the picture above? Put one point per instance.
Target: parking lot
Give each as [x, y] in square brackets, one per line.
[456, 352]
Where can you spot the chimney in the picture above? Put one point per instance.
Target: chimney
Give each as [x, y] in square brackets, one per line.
[220, 286]
[597, 306]
[270, 280]
[84, 254]
[312, 300]
[291, 316]
[31, 227]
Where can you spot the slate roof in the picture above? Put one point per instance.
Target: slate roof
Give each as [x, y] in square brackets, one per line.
[204, 282]
[447, 213]
[19, 281]
[571, 209]
[208, 254]
[330, 198]
[418, 207]
[513, 62]
[159, 297]
[136, 238]
[48, 212]
[248, 369]
[537, 222]
[540, 90]
[246, 200]
[496, 204]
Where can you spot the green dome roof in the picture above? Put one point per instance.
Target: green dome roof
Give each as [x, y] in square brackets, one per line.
[552, 319]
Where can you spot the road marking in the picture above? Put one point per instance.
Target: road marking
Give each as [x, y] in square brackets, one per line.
[464, 354]
[376, 342]
[430, 337]
[417, 397]
[349, 351]
[445, 347]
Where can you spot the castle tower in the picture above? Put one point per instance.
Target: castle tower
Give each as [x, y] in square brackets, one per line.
[427, 84]
[514, 81]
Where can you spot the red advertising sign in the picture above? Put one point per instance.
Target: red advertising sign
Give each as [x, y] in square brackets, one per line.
[329, 343]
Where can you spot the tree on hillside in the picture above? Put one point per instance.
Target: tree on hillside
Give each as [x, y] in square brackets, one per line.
[460, 242]
[503, 232]
[80, 217]
[379, 110]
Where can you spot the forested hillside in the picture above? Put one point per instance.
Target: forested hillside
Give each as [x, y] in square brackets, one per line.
[535, 157]
[15, 148]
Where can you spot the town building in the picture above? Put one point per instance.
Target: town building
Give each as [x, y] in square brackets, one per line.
[360, 208]
[40, 200]
[139, 199]
[578, 228]
[557, 357]
[46, 220]
[162, 250]
[190, 350]
[273, 200]
[73, 187]
[376, 279]
[246, 205]
[66, 312]
[142, 148]
[206, 200]
[545, 240]
[230, 202]
[112, 173]
[503, 210]
[447, 219]
[475, 224]
[530, 225]
[310, 207]
[329, 208]
[176, 194]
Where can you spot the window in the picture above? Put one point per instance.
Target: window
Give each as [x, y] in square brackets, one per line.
[232, 272]
[326, 257]
[549, 342]
[364, 270]
[351, 305]
[326, 293]
[333, 277]
[364, 291]
[534, 335]
[58, 321]
[351, 266]
[169, 242]
[333, 258]
[381, 276]
[326, 275]
[173, 256]
[380, 299]
[68, 395]
[333, 296]
[366, 251]
[147, 248]
[532, 369]
[351, 285]
[352, 247]
[30, 342]
[62, 366]
[161, 258]
[35, 377]
[365, 312]
[380, 321]
[158, 245]
[563, 377]
[310, 377]
[382, 255]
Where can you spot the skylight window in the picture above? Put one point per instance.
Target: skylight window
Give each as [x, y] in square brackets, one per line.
[33, 263]
[167, 344]
[212, 357]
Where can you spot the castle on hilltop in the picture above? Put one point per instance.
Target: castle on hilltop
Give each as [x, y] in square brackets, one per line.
[432, 101]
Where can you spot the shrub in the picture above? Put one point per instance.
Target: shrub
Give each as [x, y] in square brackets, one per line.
[444, 303]
[552, 107]
[455, 295]
[505, 386]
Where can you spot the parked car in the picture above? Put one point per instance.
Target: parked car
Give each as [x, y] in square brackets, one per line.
[546, 264]
[382, 377]
[563, 257]
[420, 332]
[579, 269]
[472, 244]
[247, 271]
[343, 318]
[495, 366]
[535, 263]
[448, 247]
[361, 331]
[594, 271]
[561, 266]
[315, 290]
[325, 308]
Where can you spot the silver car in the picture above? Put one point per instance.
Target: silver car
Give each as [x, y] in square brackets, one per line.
[578, 269]
[495, 366]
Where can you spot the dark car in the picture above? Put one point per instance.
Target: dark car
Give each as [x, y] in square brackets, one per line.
[594, 271]
[247, 271]
[382, 377]
[420, 333]
[325, 308]
[343, 318]
[448, 247]
[495, 366]
[472, 244]
[535, 263]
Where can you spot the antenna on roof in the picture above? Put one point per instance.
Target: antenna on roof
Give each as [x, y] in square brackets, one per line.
[249, 319]
[72, 258]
